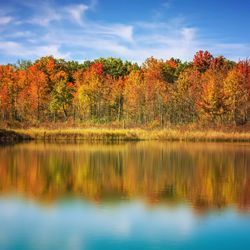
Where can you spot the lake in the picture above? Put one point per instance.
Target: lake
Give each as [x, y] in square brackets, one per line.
[135, 195]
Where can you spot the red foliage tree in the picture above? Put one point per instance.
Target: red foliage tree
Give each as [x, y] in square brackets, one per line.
[202, 60]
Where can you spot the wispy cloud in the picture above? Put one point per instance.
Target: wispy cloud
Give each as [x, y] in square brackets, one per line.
[159, 12]
[45, 20]
[50, 13]
[69, 31]
[16, 49]
[76, 12]
[116, 30]
[4, 20]
[20, 34]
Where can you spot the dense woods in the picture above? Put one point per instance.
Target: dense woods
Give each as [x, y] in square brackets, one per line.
[208, 90]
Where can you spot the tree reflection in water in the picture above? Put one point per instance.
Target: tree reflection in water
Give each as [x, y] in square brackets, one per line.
[206, 175]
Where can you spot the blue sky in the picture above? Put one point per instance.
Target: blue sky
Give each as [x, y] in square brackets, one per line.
[131, 29]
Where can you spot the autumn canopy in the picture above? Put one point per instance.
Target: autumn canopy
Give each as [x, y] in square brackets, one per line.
[207, 90]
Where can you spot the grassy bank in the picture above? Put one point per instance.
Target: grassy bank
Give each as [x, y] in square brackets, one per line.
[99, 134]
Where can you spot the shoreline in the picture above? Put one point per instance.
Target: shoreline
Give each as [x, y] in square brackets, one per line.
[11, 136]
[106, 135]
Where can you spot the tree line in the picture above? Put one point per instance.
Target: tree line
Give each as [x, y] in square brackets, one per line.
[207, 90]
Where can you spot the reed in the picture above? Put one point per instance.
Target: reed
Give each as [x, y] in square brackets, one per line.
[102, 134]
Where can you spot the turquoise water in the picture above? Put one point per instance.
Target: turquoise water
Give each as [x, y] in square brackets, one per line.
[126, 196]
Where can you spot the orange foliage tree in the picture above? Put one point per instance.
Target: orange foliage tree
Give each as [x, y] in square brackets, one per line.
[8, 92]
[38, 91]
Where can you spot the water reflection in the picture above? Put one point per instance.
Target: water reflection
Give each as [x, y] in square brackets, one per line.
[205, 175]
[77, 224]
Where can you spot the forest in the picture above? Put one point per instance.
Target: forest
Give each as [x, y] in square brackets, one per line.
[208, 90]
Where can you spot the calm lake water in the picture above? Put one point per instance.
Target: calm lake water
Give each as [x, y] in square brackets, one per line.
[144, 195]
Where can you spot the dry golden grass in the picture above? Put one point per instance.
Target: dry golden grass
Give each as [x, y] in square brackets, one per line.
[102, 134]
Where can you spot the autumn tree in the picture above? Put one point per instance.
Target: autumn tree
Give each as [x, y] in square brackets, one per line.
[117, 97]
[212, 106]
[61, 95]
[236, 97]
[116, 67]
[24, 102]
[184, 97]
[8, 92]
[38, 91]
[134, 97]
[202, 60]
[243, 67]
[23, 64]
[208, 90]
[90, 92]
[155, 90]
[172, 69]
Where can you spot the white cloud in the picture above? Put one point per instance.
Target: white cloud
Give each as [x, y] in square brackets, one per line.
[45, 19]
[20, 34]
[49, 13]
[188, 34]
[51, 50]
[233, 51]
[118, 30]
[11, 48]
[76, 12]
[4, 20]
[66, 28]
[181, 43]
[107, 45]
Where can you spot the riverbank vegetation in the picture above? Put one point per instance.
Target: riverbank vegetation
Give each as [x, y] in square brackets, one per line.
[159, 93]
[115, 135]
